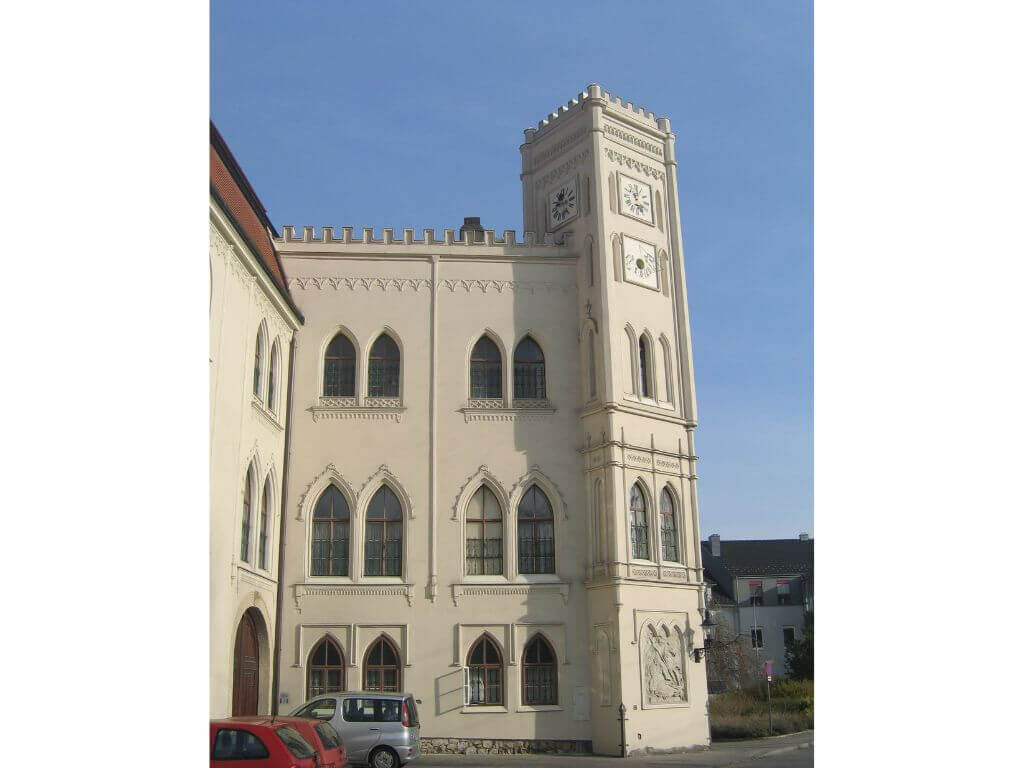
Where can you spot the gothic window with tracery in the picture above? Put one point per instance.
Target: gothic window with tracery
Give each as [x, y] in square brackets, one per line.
[340, 368]
[326, 669]
[638, 523]
[329, 555]
[486, 675]
[385, 361]
[485, 370]
[383, 548]
[667, 511]
[381, 671]
[540, 680]
[529, 371]
[247, 494]
[536, 524]
[483, 534]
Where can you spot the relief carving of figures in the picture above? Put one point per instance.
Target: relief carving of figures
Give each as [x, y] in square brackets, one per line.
[663, 666]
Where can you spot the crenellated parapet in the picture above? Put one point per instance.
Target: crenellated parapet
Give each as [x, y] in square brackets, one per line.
[449, 237]
[614, 104]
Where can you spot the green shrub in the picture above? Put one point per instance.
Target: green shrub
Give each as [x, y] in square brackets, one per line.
[743, 714]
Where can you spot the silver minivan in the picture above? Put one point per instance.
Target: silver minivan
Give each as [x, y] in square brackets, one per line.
[378, 729]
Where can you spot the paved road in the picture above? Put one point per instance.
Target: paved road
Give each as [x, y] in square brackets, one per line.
[794, 750]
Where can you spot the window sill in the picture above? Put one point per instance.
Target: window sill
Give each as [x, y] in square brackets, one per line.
[373, 589]
[266, 413]
[539, 708]
[253, 570]
[370, 409]
[496, 410]
[474, 709]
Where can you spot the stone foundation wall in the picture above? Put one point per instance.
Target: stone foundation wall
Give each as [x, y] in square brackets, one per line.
[457, 746]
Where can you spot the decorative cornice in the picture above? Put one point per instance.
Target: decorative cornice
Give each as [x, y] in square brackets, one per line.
[563, 169]
[361, 413]
[453, 285]
[632, 138]
[382, 473]
[301, 591]
[520, 286]
[511, 590]
[632, 164]
[331, 475]
[498, 413]
[366, 283]
[481, 473]
[266, 414]
[542, 157]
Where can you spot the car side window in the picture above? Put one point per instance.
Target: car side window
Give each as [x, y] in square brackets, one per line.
[389, 711]
[232, 744]
[321, 709]
[358, 710]
[328, 735]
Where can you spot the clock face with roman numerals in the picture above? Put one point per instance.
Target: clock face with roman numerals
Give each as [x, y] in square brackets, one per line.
[635, 198]
[563, 204]
[639, 262]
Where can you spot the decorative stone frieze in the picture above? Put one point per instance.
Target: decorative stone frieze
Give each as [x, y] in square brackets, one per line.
[304, 591]
[634, 165]
[561, 589]
[562, 169]
[631, 138]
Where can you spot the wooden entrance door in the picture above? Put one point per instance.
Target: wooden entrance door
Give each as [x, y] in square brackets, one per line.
[245, 698]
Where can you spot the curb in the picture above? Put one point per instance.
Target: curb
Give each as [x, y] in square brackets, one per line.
[783, 750]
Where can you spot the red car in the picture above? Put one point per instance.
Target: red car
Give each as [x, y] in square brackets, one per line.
[259, 742]
[323, 737]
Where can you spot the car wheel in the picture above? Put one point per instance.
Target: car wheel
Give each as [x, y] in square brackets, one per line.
[384, 757]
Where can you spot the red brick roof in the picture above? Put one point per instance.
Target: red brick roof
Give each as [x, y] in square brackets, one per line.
[236, 195]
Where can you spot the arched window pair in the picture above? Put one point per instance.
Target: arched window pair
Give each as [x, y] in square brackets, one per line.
[258, 373]
[639, 530]
[651, 382]
[381, 670]
[254, 544]
[485, 375]
[382, 550]
[535, 527]
[382, 373]
[485, 674]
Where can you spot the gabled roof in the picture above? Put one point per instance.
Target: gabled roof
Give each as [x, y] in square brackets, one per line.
[758, 557]
[236, 197]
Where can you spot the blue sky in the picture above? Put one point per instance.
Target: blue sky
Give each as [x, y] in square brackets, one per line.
[410, 114]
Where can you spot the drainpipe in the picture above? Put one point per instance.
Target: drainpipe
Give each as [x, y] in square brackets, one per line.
[276, 683]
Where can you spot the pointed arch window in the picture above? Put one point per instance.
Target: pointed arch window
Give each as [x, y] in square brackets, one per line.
[536, 528]
[540, 680]
[257, 369]
[272, 379]
[646, 378]
[247, 493]
[484, 534]
[381, 671]
[384, 534]
[486, 674]
[667, 512]
[638, 523]
[592, 364]
[264, 514]
[385, 363]
[485, 370]
[329, 555]
[326, 669]
[340, 368]
[529, 371]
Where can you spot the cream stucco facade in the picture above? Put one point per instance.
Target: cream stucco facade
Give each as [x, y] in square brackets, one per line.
[601, 289]
[247, 433]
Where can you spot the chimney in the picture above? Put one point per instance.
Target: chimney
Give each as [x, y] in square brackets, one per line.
[716, 544]
[804, 537]
[471, 224]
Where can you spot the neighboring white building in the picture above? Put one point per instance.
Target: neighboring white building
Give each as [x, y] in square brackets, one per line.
[491, 488]
[764, 590]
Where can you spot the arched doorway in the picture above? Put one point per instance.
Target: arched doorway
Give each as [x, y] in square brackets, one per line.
[245, 694]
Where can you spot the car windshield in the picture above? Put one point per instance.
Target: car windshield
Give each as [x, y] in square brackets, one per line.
[321, 709]
[297, 745]
[328, 735]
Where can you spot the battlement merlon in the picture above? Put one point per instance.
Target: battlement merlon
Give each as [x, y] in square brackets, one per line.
[557, 246]
[636, 116]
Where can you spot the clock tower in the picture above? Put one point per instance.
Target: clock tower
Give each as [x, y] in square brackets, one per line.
[605, 170]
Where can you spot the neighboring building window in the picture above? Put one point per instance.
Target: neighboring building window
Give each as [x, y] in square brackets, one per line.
[385, 361]
[384, 534]
[536, 528]
[529, 371]
[782, 591]
[756, 640]
[667, 511]
[340, 368]
[646, 381]
[485, 370]
[247, 495]
[257, 370]
[380, 672]
[540, 681]
[483, 534]
[264, 512]
[638, 523]
[275, 367]
[485, 674]
[788, 636]
[329, 556]
[326, 671]
[756, 593]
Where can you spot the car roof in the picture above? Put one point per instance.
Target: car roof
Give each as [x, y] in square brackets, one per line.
[268, 721]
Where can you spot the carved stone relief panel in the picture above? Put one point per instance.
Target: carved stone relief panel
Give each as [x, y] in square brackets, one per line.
[664, 678]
